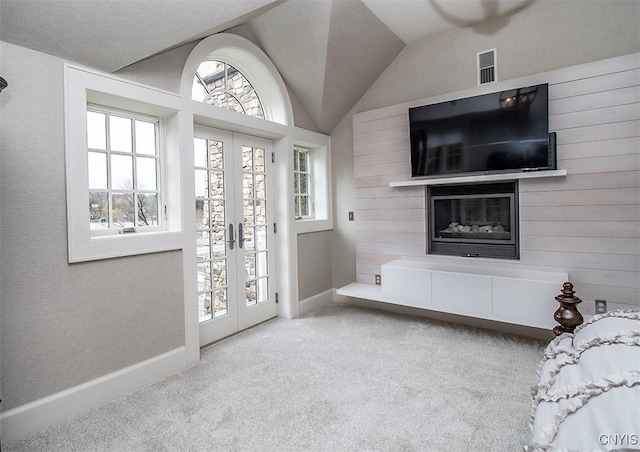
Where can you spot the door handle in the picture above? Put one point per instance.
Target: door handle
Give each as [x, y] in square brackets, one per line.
[231, 240]
[240, 235]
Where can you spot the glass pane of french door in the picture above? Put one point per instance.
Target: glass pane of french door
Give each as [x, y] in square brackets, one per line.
[234, 243]
[255, 222]
[257, 239]
[210, 228]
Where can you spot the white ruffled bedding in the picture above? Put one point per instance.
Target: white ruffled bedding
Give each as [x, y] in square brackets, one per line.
[588, 395]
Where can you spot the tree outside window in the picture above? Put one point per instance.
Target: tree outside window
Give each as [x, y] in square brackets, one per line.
[123, 168]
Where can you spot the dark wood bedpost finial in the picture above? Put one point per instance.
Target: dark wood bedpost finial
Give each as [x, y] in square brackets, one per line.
[567, 314]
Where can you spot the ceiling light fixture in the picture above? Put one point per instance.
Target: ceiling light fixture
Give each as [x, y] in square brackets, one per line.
[484, 16]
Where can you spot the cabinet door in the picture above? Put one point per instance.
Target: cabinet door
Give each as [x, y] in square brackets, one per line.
[525, 302]
[406, 286]
[461, 293]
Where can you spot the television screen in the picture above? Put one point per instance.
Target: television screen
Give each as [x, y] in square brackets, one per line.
[497, 132]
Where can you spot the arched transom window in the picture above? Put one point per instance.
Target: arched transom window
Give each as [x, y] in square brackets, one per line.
[222, 85]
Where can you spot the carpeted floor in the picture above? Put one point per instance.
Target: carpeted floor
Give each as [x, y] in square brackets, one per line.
[342, 379]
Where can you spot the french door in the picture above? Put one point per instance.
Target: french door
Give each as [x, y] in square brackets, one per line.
[234, 232]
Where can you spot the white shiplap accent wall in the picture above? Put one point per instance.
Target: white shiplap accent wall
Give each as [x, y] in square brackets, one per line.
[587, 223]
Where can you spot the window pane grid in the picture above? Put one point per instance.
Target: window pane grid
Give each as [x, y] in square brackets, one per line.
[210, 229]
[254, 202]
[222, 85]
[123, 171]
[302, 183]
[257, 291]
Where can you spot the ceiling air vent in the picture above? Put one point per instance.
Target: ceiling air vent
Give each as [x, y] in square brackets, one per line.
[487, 67]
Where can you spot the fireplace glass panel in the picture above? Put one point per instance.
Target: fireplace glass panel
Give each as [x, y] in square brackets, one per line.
[479, 220]
[476, 218]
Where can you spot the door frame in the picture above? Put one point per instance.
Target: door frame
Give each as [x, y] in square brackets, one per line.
[283, 139]
[279, 127]
[239, 315]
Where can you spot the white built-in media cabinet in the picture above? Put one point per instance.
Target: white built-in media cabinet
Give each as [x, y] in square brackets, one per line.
[515, 296]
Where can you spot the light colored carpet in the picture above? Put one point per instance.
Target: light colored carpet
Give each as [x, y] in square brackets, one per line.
[342, 379]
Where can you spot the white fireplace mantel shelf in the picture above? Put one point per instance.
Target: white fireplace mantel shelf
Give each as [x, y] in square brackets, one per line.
[480, 178]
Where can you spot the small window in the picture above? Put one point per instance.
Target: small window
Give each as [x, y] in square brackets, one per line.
[222, 85]
[123, 168]
[302, 183]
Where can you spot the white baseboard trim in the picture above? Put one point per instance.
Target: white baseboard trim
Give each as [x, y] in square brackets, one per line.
[21, 421]
[316, 302]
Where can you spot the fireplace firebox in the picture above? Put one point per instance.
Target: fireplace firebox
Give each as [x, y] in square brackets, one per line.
[478, 220]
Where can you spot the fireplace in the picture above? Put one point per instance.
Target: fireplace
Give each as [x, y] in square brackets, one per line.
[478, 220]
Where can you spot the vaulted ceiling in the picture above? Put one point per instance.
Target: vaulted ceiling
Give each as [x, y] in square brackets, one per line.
[329, 52]
[112, 34]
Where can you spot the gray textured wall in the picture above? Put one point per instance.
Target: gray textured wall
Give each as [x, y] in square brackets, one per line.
[61, 324]
[545, 36]
[314, 264]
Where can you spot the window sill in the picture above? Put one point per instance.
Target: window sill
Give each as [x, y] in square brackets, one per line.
[107, 247]
[312, 225]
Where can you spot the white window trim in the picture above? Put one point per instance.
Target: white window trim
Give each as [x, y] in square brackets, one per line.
[84, 86]
[320, 159]
[160, 170]
[298, 150]
[254, 65]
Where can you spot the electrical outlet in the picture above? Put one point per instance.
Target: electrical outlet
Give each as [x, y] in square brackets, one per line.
[601, 306]
[378, 280]
[350, 216]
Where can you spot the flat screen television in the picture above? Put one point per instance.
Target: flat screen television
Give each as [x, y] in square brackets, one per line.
[505, 131]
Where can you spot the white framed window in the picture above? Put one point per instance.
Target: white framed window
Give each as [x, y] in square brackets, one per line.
[254, 65]
[310, 171]
[303, 201]
[124, 169]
